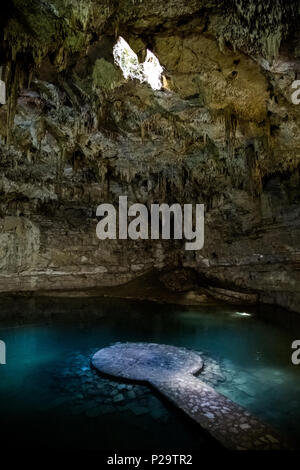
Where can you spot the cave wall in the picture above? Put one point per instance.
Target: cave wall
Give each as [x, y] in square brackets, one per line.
[223, 131]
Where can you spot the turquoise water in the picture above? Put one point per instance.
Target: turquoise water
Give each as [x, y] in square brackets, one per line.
[50, 397]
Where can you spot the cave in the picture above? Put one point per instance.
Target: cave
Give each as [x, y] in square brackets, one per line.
[171, 335]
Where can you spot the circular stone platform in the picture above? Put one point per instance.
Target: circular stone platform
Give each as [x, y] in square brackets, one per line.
[172, 370]
[146, 361]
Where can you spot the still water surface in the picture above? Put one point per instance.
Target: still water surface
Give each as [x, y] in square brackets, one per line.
[49, 396]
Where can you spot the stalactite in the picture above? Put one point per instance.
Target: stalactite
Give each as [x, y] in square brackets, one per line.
[15, 78]
[271, 45]
[259, 27]
[142, 131]
[230, 129]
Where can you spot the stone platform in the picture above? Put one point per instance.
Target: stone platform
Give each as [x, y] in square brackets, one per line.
[172, 370]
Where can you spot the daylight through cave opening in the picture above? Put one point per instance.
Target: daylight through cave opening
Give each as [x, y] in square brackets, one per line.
[149, 71]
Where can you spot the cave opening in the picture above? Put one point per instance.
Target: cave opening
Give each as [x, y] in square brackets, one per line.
[150, 71]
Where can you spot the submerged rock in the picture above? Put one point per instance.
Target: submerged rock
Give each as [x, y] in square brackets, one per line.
[119, 397]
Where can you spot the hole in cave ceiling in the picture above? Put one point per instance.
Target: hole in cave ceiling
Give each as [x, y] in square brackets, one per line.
[149, 71]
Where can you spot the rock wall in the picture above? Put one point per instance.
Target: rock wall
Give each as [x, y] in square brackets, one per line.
[223, 131]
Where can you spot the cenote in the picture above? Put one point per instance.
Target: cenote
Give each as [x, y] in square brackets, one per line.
[50, 397]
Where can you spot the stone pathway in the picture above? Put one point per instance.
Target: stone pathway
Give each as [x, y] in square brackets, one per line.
[172, 371]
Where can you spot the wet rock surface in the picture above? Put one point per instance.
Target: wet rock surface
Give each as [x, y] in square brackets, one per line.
[171, 371]
[146, 362]
[85, 392]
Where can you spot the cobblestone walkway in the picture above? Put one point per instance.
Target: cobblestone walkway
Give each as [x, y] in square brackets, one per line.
[172, 371]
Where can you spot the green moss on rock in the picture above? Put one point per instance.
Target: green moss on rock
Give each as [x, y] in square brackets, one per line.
[106, 76]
